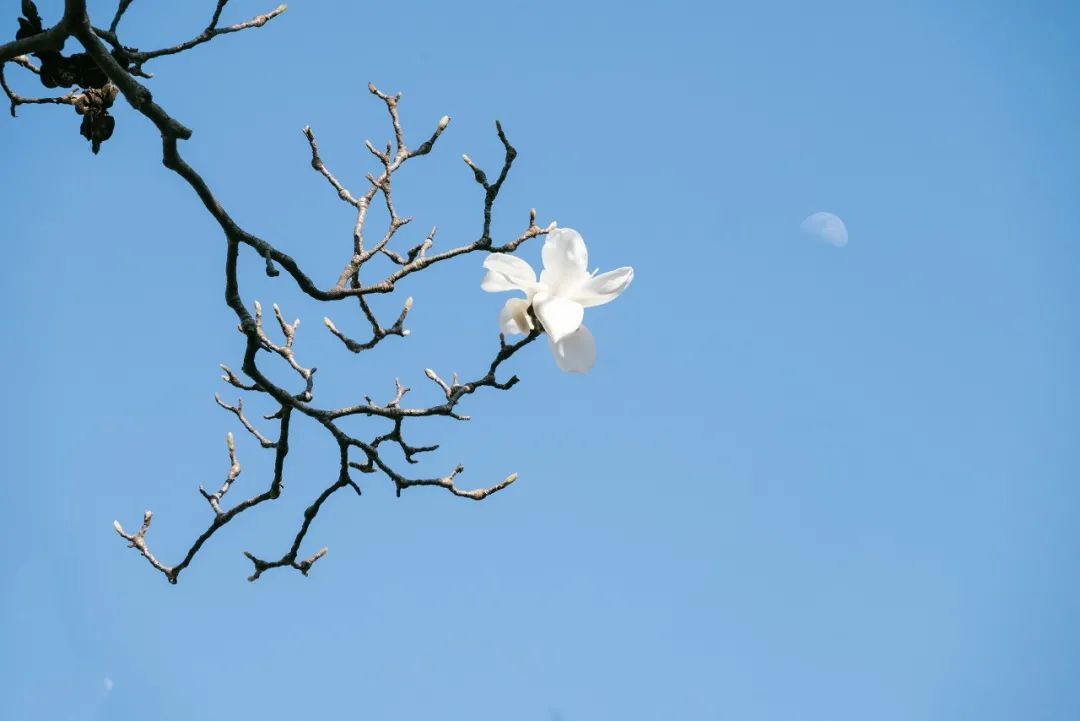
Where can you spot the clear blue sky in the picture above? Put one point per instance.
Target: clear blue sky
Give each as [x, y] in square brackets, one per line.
[802, 482]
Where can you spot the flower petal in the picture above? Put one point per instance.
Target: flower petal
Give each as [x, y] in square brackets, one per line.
[507, 272]
[564, 253]
[576, 353]
[559, 316]
[603, 288]
[514, 317]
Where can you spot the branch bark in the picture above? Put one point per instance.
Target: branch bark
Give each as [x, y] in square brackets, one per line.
[123, 67]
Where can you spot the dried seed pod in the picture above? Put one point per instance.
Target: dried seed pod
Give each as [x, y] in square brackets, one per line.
[93, 105]
[81, 103]
[56, 70]
[97, 127]
[86, 72]
[29, 25]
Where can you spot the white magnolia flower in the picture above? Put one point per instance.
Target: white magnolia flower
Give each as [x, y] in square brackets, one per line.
[558, 299]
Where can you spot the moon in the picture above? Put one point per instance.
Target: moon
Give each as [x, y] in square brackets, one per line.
[826, 227]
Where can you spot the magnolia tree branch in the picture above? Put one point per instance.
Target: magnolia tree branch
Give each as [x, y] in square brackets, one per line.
[139, 57]
[17, 100]
[116, 71]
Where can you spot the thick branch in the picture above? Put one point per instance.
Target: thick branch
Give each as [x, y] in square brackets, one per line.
[51, 39]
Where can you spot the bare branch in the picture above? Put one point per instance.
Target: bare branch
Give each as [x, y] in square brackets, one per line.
[232, 380]
[123, 67]
[121, 8]
[138, 540]
[238, 411]
[17, 100]
[214, 499]
[285, 351]
[289, 559]
[377, 331]
[24, 62]
[447, 482]
[139, 58]
[320, 167]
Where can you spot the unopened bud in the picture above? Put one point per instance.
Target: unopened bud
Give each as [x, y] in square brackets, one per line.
[443, 122]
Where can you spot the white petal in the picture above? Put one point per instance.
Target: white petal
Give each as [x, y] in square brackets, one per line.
[563, 282]
[559, 316]
[564, 253]
[514, 317]
[496, 283]
[576, 353]
[507, 272]
[603, 288]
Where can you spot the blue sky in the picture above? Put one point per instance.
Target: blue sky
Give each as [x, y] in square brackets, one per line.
[801, 482]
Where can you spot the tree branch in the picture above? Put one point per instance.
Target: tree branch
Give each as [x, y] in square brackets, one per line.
[122, 67]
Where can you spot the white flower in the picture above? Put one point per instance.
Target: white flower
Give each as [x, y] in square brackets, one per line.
[558, 299]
